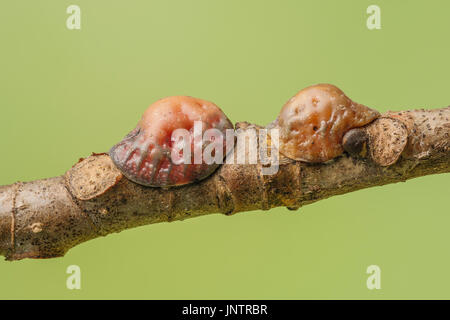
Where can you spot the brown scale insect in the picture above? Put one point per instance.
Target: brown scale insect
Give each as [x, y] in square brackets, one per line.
[313, 122]
[145, 154]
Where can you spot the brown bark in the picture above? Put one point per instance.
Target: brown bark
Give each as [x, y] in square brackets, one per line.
[45, 218]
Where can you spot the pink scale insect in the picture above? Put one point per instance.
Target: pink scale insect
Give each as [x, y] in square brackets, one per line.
[145, 155]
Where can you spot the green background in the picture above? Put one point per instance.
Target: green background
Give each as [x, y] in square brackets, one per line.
[67, 93]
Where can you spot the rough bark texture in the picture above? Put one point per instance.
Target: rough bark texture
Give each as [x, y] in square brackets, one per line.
[45, 218]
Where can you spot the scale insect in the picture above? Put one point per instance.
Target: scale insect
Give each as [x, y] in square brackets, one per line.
[313, 122]
[145, 155]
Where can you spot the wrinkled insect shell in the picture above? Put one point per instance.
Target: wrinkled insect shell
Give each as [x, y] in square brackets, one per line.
[355, 142]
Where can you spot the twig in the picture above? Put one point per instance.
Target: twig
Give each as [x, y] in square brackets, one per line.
[45, 218]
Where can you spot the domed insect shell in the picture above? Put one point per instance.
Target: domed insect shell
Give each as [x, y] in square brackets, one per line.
[150, 155]
[314, 121]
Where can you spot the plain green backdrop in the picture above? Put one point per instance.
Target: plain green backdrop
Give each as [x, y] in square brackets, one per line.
[67, 93]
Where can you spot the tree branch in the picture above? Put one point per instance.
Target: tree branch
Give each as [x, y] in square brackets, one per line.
[45, 218]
